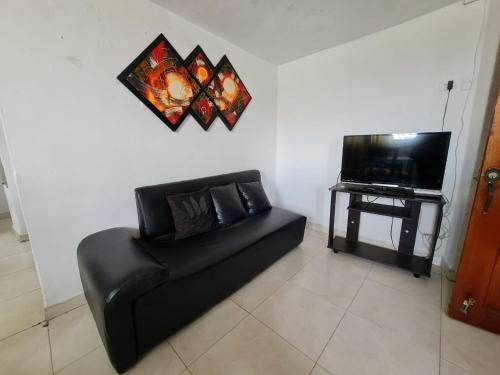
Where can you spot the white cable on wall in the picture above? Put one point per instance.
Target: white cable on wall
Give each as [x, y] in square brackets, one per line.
[446, 224]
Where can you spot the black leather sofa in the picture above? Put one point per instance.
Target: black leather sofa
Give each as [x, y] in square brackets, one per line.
[140, 291]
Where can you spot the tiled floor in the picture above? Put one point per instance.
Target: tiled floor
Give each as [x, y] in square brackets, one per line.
[313, 312]
[20, 296]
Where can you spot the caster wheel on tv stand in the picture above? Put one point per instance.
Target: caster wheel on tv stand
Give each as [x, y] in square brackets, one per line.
[417, 275]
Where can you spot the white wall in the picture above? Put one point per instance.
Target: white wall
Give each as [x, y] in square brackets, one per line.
[481, 119]
[4, 207]
[388, 82]
[81, 142]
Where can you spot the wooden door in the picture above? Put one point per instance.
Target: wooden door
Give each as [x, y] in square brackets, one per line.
[476, 297]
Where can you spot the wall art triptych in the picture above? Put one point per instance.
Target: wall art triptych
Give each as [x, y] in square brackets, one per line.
[172, 87]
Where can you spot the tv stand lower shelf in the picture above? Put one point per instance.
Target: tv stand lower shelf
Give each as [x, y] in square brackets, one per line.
[417, 265]
[409, 214]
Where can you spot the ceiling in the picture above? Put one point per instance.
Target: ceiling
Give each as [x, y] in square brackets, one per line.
[280, 31]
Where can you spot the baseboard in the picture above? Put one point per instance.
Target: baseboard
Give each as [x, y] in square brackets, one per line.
[317, 227]
[22, 237]
[449, 272]
[55, 310]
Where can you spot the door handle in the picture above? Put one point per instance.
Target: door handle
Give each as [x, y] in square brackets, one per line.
[491, 175]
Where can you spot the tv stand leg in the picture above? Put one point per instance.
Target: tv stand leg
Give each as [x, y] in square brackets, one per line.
[417, 275]
[335, 251]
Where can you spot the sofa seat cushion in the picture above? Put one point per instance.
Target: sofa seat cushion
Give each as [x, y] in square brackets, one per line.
[190, 255]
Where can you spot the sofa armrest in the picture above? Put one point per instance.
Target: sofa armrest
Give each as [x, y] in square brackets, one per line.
[114, 271]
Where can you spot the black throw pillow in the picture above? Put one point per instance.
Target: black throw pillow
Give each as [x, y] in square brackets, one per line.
[193, 213]
[254, 197]
[227, 203]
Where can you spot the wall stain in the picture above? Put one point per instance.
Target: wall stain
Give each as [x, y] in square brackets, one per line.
[74, 61]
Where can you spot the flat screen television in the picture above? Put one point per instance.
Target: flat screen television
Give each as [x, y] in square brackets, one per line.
[416, 160]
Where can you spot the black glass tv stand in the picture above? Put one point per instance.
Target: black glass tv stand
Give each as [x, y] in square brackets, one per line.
[409, 213]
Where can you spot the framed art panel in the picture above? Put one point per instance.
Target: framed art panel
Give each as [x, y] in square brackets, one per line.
[204, 110]
[159, 79]
[200, 67]
[228, 93]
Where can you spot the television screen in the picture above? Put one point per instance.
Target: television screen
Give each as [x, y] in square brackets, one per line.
[405, 159]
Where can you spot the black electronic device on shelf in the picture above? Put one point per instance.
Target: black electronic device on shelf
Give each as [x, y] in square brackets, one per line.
[382, 189]
[403, 161]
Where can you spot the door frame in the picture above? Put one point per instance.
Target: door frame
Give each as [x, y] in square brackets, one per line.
[10, 187]
[475, 273]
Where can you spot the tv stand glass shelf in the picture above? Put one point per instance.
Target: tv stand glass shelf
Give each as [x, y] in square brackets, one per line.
[409, 213]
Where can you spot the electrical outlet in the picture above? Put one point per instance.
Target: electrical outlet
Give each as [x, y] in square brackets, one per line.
[444, 85]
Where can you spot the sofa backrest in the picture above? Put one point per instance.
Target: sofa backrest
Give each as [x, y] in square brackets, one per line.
[155, 218]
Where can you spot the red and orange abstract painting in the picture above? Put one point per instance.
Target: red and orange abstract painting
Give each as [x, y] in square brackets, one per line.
[204, 110]
[172, 87]
[200, 66]
[160, 80]
[228, 93]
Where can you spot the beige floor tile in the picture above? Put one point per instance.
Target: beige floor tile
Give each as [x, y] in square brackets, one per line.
[335, 277]
[427, 289]
[18, 283]
[318, 370]
[470, 348]
[199, 336]
[315, 244]
[94, 363]
[257, 290]
[252, 348]
[5, 223]
[186, 372]
[390, 308]
[6, 226]
[20, 313]
[54, 311]
[26, 353]
[162, 360]
[290, 263]
[361, 347]
[302, 318]
[13, 248]
[448, 368]
[72, 335]
[8, 236]
[14, 263]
